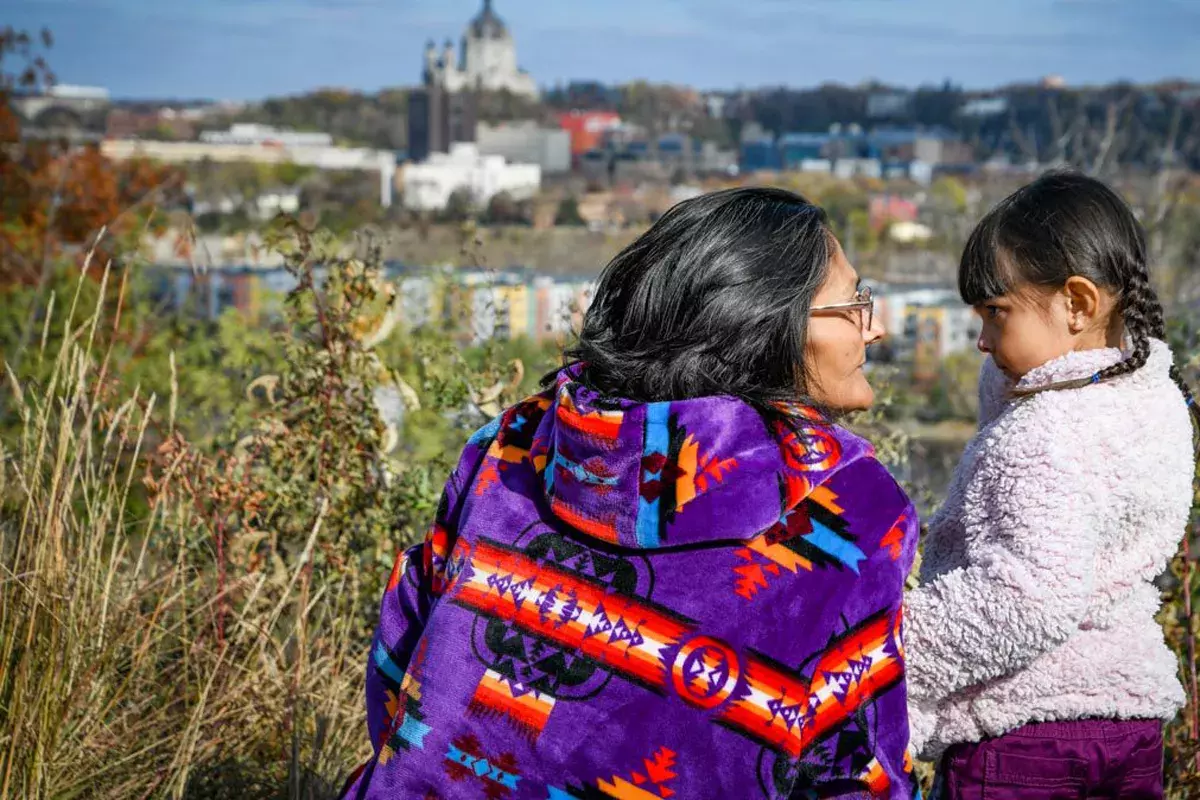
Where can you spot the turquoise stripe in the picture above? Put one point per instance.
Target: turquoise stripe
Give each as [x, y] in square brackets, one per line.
[384, 663]
[483, 768]
[551, 465]
[487, 433]
[829, 542]
[658, 440]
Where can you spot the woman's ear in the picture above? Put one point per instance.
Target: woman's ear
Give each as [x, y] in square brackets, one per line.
[1085, 303]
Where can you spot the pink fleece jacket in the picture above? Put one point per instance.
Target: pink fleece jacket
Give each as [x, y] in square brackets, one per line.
[1036, 600]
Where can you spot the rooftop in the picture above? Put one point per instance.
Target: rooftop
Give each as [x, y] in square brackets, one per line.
[487, 24]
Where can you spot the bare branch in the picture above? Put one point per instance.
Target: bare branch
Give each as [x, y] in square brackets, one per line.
[1022, 141]
[1160, 199]
[1112, 117]
[1059, 138]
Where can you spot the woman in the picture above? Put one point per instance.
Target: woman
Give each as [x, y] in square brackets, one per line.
[668, 574]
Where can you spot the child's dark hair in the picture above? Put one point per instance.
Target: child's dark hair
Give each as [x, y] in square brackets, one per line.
[1062, 225]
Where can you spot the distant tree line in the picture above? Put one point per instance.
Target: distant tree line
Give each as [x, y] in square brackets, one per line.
[375, 120]
[1094, 128]
[1107, 125]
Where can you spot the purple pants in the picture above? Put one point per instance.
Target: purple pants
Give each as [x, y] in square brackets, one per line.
[1090, 758]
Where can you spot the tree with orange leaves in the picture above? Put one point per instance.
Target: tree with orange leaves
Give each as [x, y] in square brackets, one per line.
[55, 197]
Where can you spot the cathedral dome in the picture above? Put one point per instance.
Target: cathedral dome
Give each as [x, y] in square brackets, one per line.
[487, 25]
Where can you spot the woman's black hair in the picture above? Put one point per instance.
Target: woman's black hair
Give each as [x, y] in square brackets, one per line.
[1062, 225]
[712, 300]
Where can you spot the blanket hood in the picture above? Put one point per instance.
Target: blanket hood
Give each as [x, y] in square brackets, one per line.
[678, 473]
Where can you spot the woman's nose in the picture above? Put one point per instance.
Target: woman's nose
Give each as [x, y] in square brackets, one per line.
[875, 331]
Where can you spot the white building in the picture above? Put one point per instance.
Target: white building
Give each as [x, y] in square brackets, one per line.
[282, 201]
[252, 133]
[893, 304]
[984, 107]
[66, 91]
[321, 157]
[907, 232]
[488, 59]
[888, 104]
[822, 165]
[428, 186]
[715, 105]
[960, 328]
[846, 168]
[933, 316]
[920, 172]
[526, 142]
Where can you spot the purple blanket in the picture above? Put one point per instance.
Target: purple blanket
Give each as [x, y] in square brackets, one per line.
[617, 599]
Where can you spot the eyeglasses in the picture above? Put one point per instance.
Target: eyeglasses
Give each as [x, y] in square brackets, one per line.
[863, 300]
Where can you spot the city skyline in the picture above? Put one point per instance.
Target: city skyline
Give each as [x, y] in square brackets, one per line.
[250, 49]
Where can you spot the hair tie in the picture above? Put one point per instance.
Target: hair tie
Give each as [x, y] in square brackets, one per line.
[1095, 378]
[1191, 401]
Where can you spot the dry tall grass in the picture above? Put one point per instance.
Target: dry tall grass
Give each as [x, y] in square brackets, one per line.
[146, 649]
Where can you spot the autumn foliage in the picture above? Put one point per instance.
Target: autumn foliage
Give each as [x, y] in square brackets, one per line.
[54, 195]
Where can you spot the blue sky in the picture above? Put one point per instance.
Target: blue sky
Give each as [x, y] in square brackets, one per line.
[247, 49]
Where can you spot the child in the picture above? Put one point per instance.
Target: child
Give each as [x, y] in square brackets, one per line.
[1035, 666]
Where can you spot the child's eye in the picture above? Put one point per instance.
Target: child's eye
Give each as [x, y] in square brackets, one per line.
[992, 311]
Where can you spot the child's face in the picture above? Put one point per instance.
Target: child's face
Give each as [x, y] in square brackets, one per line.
[1026, 328]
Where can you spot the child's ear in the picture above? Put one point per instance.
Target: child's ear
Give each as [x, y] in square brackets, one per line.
[1085, 303]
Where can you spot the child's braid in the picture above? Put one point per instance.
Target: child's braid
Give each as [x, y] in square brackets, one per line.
[1144, 319]
[1143, 316]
